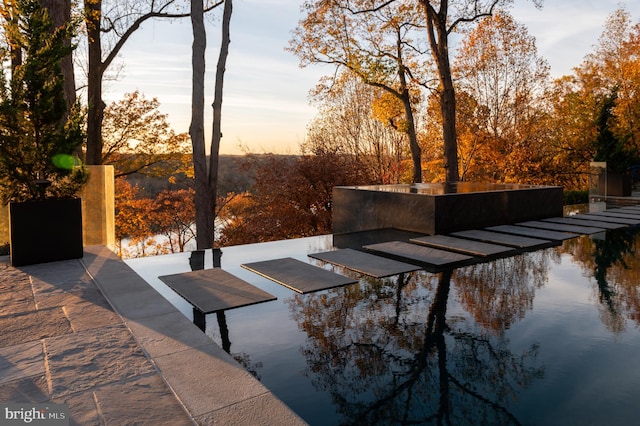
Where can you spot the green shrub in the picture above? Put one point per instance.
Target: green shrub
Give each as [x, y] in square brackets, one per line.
[576, 197]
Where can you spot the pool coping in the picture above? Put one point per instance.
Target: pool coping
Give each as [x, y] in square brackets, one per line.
[206, 380]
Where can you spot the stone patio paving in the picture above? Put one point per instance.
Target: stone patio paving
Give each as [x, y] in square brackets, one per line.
[91, 334]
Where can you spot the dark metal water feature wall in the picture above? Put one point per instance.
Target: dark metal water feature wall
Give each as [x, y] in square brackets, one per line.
[440, 208]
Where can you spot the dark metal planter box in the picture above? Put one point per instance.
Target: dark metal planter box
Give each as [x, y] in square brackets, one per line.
[441, 208]
[45, 231]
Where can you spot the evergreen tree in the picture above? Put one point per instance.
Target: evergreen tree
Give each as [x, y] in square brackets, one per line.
[38, 135]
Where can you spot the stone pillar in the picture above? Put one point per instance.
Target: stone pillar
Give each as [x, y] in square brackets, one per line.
[98, 207]
[4, 224]
[98, 210]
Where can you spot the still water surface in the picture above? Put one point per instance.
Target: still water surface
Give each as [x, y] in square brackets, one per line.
[550, 337]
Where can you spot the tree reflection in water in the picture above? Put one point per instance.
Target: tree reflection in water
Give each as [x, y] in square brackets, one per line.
[501, 292]
[388, 352]
[196, 262]
[613, 262]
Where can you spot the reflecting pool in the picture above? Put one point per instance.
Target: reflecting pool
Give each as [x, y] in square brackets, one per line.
[550, 337]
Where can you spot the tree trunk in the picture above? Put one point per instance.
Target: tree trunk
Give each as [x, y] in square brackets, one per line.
[416, 152]
[438, 39]
[405, 97]
[8, 13]
[94, 83]
[203, 202]
[217, 101]
[60, 13]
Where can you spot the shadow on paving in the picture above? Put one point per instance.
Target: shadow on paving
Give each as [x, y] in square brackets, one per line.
[62, 343]
[92, 334]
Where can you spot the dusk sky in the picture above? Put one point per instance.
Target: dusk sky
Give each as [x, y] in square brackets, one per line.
[265, 104]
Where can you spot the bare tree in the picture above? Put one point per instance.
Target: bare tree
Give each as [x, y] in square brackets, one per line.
[206, 178]
[119, 20]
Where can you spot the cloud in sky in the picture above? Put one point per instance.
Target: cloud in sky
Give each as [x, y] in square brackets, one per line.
[265, 102]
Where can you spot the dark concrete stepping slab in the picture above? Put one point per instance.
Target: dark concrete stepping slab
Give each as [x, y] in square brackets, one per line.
[532, 232]
[608, 219]
[561, 227]
[365, 263]
[633, 219]
[503, 239]
[212, 290]
[625, 209]
[632, 209]
[416, 253]
[297, 275]
[622, 213]
[584, 222]
[470, 247]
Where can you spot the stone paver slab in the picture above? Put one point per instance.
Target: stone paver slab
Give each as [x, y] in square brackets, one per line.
[33, 325]
[43, 286]
[204, 393]
[632, 209]
[56, 273]
[102, 262]
[261, 410]
[145, 400]
[21, 361]
[82, 408]
[27, 390]
[89, 315]
[632, 213]
[137, 303]
[12, 303]
[85, 306]
[167, 334]
[80, 361]
[12, 279]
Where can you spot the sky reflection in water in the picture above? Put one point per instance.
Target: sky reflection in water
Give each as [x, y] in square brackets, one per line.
[545, 337]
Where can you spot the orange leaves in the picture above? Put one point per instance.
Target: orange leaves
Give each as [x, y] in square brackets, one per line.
[140, 219]
[138, 138]
[291, 198]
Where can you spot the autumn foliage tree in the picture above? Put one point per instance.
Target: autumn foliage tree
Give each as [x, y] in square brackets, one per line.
[502, 86]
[174, 216]
[579, 99]
[291, 198]
[352, 120]
[131, 215]
[147, 225]
[380, 47]
[139, 139]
